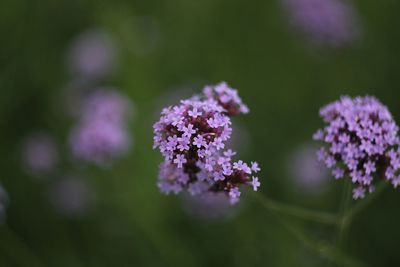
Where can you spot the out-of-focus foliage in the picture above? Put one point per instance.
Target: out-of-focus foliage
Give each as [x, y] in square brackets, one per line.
[165, 49]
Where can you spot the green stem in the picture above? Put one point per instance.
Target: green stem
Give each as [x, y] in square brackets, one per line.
[300, 213]
[13, 246]
[324, 249]
[362, 204]
[344, 222]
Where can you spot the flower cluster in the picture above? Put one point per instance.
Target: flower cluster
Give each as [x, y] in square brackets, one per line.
[332, 23]
[226, 97]
[362, 142]
[192, 138]
[101, 135]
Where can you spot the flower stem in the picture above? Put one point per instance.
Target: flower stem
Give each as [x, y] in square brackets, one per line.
[344, 222]
[300, 213]
[12, 245]
[362, 204]
[324, 249]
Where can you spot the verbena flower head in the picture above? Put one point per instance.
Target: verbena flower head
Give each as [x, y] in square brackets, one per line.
[192, 138]
[39, 154]
[362, 142]
[100, 135]
[227, 97]
[326, 22]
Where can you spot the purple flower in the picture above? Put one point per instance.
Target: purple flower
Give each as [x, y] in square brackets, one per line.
[99, 142]
[191, 137]
[180, 160]
[241, 166]
[338, 173]
[169, 178]
[100, 135]
[255, 183]
[229, 153]
[359, 192]
[227, 97]
[92, 55]
[183, 143]
[199, 141]
[254, 167]
[39, 154]
[309, 175]
[208, 206]
[218, 143]
[331, 23]
[362, 138]
[318, 135]
[106, 104]
[234, 195]
[194, 113]
[369, 167]
[188, 131]
[396, 182]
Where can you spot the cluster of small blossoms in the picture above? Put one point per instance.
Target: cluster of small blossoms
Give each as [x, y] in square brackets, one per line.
[101, 135]
[192, 138]
[362, 142]
[226, 97]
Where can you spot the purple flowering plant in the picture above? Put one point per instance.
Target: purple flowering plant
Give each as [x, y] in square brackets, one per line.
[192, 138]
[101, 135]
[362, 143]
[331, 23]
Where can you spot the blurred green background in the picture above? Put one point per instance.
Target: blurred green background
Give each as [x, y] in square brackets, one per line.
[281, 76]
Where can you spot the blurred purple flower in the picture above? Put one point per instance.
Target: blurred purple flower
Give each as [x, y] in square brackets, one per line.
[307, 172]
[208, 206]
[39, 154]
[240, 138]
[106, 105]
[362, 140]
[71, 196]
[92, 55]
[332, 23]
[101, 134]
[99, 142]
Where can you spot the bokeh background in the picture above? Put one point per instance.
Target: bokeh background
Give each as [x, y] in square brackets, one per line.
[163, 51]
